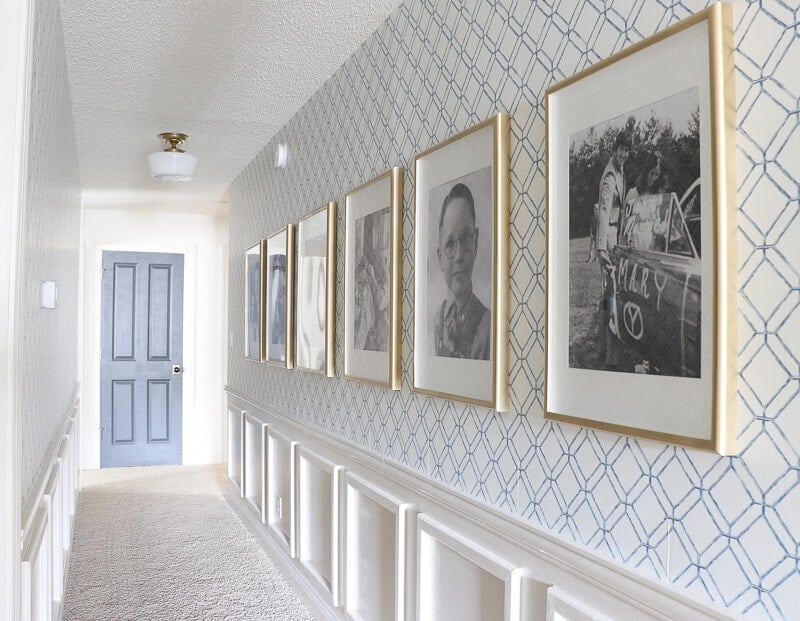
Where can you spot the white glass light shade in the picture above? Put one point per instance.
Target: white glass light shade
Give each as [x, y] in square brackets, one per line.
[172, 166]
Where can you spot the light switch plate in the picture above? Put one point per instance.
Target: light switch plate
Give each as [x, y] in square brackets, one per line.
[49, 294]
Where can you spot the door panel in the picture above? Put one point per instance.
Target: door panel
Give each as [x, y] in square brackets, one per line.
[141, 340]
[124, 296]
[158, 336]
[158, 411]
[122, 414]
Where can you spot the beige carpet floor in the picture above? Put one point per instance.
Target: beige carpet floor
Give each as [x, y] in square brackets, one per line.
[161, 543]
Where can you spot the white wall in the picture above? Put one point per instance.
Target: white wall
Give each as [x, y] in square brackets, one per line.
[202, 239]
[15, 43]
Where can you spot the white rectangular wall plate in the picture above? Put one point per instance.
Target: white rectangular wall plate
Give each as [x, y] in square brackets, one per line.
[49, 294]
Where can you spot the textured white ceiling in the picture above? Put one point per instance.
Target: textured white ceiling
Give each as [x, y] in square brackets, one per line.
[229, 73]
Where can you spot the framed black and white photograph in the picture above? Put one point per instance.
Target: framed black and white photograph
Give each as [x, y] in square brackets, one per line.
[315, 306]
[373, 239]
[279, 278]
[254, 302]
[640, 228]
[461, 266]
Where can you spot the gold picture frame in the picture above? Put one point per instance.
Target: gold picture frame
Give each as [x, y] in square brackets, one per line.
[635, 344]
[278, 333]
[461, 265]
[254, 302]
[372, 280]
[315, 292]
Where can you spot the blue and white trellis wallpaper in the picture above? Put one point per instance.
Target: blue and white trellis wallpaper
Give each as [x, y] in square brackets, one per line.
[726, 528]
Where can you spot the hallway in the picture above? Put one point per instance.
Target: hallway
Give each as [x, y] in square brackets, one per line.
[161, 543]
[386, 476]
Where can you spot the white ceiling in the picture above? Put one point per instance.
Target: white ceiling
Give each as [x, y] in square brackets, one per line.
[229, 73]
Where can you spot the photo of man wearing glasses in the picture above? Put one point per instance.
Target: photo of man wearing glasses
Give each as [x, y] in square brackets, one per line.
[462, 323]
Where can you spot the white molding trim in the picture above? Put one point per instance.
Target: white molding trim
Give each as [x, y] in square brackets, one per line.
[544, 557]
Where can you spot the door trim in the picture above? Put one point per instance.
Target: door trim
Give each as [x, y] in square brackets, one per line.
[90, 356]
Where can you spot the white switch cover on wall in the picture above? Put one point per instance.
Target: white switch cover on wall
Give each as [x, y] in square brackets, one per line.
[49, 294]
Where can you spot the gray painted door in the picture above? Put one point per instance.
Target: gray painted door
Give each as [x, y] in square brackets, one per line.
[141, 359]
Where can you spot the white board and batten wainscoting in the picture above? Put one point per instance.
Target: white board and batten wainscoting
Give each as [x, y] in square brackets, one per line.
[48, 520]
[365, 539]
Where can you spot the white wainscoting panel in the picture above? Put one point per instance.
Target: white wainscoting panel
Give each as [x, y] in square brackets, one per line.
[72, 479]
[254, 452]
[368, 539]
[377, 539]
[279, 475]
[62, 457]
[48, 520]
[235, 448]
[459, 580]
[317, 511]
[55, 528]
[36, 582]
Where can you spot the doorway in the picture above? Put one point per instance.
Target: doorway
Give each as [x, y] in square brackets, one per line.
[141, 357]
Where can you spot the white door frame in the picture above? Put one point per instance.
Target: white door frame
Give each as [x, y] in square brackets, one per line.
[90, 382]
[16, 40]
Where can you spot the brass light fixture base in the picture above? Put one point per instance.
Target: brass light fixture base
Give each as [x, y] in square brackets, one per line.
[174, 139]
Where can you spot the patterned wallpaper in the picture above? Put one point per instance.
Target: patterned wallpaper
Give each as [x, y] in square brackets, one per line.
[726, 528]
[50, 246]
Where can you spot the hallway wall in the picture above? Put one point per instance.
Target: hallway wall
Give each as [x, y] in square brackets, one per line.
[51, 238]
[726, 528]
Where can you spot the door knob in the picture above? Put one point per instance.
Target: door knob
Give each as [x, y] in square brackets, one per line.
[177, 369]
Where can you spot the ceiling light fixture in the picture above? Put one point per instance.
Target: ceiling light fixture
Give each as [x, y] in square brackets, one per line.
[172, 164]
